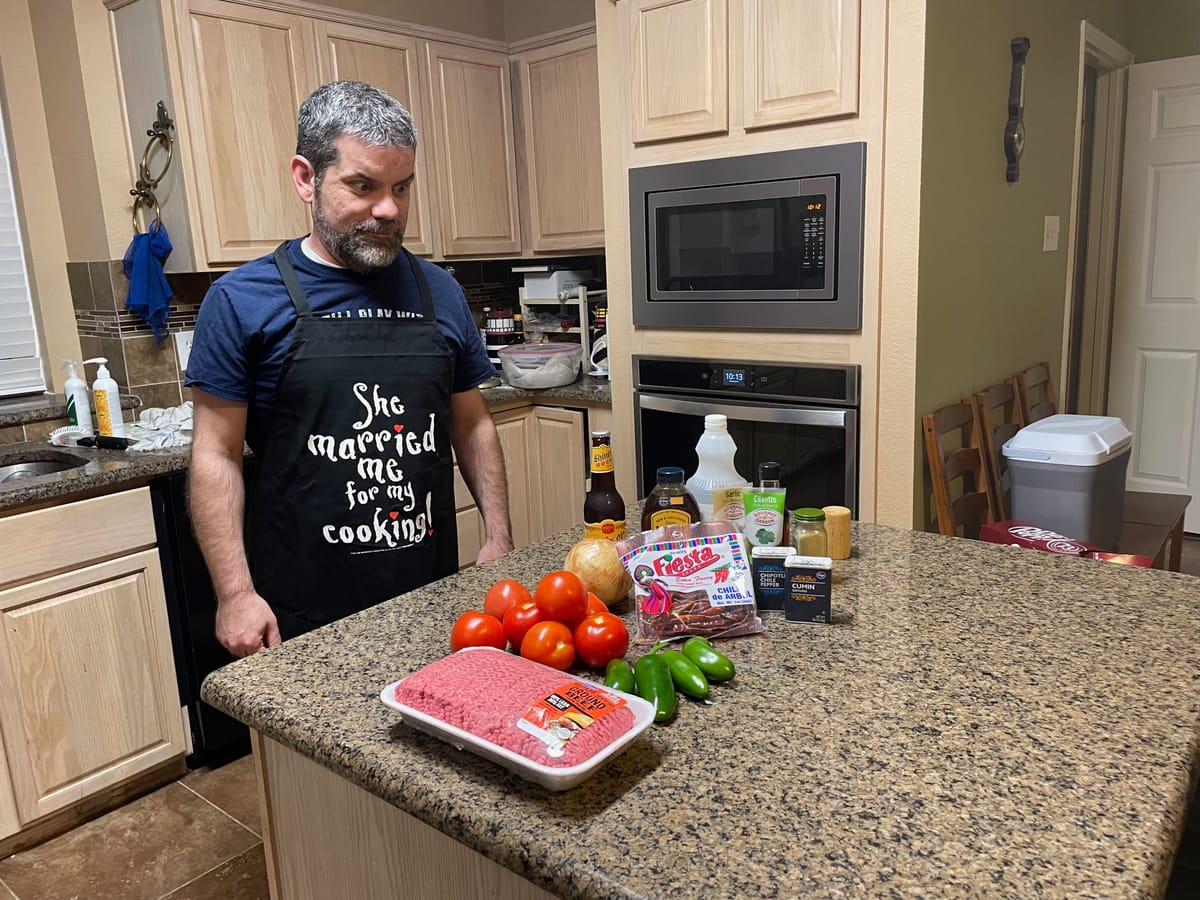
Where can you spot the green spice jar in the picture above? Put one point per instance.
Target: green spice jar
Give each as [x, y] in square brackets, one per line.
[808, 531]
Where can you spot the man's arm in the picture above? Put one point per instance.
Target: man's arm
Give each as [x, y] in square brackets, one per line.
[481, 461]
[217, 501]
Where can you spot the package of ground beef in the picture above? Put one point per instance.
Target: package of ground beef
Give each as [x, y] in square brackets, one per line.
[545, 725]
[691, 580]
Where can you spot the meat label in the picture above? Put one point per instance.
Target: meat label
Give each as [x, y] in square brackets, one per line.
[564, 713]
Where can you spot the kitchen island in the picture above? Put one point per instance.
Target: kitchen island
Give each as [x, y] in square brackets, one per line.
[977, 720]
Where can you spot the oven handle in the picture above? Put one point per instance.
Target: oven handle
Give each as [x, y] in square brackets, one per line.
[754, 412]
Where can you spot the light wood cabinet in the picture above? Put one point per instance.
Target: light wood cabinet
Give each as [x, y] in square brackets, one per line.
[88, 696]
[787, 80]
[472, 125]
[679, 68]
[391, 62]
[798, 61]
[559, 149]
[559, 445]
[516, 441]
[245, 72]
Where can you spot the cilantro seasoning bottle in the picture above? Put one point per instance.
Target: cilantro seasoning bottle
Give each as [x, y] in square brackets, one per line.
[603, 508]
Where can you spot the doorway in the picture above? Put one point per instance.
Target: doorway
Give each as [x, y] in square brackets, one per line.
[1095, 213]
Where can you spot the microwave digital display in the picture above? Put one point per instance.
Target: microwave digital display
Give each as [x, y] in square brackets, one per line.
[772, 240]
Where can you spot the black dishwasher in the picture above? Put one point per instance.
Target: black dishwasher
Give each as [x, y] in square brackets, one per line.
[191, 610]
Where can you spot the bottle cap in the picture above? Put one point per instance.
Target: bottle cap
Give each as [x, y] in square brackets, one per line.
[670, 475]
[809, 514]
[769, 471]
[716, 422]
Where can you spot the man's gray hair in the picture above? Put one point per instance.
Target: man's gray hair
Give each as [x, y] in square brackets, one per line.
[354, 108]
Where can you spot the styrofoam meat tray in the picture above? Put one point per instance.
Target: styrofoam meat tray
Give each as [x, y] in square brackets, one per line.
[551, 777]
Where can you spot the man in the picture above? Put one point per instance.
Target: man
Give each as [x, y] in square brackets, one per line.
[350, 368]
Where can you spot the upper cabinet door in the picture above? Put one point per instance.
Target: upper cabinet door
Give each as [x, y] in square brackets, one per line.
[680, 69]
[560, 117]
[473, 145]
[390, 62]
[800, 60]
[246, 72]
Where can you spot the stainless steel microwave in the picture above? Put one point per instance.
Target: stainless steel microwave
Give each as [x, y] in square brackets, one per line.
[771, 240]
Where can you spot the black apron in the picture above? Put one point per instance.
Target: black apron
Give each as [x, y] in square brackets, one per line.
[353, 502]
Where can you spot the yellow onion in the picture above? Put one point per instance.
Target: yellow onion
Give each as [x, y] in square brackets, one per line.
[598, 565]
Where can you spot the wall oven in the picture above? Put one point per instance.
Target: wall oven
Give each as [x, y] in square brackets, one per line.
[772, 240]
[803, 416]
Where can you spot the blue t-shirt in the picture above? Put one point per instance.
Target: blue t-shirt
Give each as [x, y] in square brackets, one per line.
[245, 324]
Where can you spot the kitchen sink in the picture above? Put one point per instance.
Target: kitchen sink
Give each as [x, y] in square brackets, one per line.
[38, 462]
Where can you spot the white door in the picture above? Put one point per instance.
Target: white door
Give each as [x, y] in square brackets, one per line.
[1154, 380]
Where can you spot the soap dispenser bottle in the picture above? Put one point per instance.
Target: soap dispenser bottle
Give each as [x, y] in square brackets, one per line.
[79, 407]
[108, 401]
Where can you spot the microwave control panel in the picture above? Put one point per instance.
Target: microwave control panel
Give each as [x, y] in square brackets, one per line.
[812, 234]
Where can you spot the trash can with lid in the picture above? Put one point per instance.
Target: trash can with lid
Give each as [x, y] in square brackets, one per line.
[1068, 475]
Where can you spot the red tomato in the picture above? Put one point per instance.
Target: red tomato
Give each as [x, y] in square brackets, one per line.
[562, 597]
[518, 620]
[550, 644]
[595, 605]
[601, 638]
[503, 596]
[476, 629]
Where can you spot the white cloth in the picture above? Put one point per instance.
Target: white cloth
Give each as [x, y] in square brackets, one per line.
[157, 428]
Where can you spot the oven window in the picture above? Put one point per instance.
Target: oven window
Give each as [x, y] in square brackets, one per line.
[813, 458]
[744, 245]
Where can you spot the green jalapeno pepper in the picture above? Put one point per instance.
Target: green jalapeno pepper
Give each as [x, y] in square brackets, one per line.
[715, 666]
[654, 684]
[618, 674]
[686, 674]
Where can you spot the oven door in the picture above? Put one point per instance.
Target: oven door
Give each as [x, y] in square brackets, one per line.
[816, 447]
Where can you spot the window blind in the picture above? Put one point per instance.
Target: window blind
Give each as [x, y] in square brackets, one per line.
[20, 364]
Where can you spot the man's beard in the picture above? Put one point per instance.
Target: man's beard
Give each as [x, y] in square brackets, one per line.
[365, 247]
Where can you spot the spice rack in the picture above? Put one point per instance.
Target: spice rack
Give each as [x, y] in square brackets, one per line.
[576, 308]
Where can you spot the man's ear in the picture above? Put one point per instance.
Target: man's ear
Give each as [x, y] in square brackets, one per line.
[304, 177]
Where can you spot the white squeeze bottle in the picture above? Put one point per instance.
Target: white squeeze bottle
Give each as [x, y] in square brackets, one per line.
[716, 485]
[108, 401]
[79, 408]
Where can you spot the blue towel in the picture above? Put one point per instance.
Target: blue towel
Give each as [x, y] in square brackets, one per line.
[149, 293]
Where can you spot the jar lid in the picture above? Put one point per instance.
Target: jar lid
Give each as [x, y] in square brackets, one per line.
[809, 514]
[670, 475]
[769, 471]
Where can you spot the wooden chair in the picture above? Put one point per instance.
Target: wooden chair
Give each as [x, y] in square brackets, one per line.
[1035, 391]
[998, 418]
[960, 466]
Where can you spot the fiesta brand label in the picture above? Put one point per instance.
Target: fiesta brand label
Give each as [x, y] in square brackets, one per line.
[684, 564]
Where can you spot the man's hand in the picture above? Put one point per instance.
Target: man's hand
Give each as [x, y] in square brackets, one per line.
[245, 624]
[494, 548]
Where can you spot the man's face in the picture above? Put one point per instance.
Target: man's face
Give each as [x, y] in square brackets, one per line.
[360, 204]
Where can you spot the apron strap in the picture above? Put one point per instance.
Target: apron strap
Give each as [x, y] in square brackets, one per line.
[422, 286]
[288, 271]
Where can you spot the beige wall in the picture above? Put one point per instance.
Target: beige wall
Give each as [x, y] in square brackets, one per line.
[482, 18]
[1162, 29]
[529, 18]
[990, 301]
[37, 192]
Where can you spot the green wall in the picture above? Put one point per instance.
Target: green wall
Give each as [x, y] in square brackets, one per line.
[990, 302]
[1163, 29]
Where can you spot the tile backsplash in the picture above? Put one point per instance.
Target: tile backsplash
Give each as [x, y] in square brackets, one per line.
[143, 367]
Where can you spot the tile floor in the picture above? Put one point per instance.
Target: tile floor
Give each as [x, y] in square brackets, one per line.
[200, 838]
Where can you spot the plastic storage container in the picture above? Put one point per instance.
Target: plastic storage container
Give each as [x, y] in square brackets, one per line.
[1068, 475]
[540, 365]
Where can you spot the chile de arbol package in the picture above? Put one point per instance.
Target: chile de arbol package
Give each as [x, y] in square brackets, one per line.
[691, 580]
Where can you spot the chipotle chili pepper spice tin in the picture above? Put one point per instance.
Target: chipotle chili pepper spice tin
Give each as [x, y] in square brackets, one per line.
[810, 589]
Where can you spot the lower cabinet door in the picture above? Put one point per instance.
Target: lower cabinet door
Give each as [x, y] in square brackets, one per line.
[558, 440]
[88, 696]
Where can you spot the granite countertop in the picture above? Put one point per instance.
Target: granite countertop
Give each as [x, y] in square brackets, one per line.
[978, 719]
[110, 470]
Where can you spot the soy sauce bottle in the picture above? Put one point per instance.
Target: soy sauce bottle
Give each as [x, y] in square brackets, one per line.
[603, 508]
